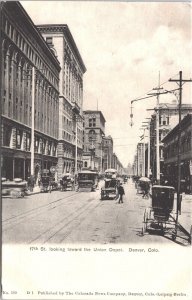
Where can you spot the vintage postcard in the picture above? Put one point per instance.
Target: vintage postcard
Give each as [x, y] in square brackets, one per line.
[96, 150]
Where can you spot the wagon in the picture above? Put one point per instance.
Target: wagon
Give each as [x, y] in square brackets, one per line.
[45, 185]
[13, 188]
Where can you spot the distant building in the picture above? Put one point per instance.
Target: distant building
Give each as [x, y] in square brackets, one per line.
[94, 131]
[23, 48]
[134, 166]
[171, 155]
[139, 160]
[116, 164]
[108, 152]
[61, 42]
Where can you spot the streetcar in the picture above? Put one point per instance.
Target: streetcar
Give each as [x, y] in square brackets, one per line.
[87, 180]
[109, 191]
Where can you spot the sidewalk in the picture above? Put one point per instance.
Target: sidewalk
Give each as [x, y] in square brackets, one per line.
[185, 218]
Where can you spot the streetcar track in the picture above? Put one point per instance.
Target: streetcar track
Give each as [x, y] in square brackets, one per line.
[75, 225]
[30, 215]
[32, 212]
[84, 207]
[25, 213]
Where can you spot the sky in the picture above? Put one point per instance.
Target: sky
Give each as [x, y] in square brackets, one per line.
[126, 48]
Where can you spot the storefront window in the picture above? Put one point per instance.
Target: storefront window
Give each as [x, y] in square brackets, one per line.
[37, 144]
[49, 148]
[7, 135]
[43, 146]
[28, 142]
[18, 138]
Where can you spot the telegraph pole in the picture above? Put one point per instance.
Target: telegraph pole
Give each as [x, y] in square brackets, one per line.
[157, 131]
[180, 82]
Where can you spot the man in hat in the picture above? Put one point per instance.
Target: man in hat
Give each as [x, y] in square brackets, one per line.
[121, 192]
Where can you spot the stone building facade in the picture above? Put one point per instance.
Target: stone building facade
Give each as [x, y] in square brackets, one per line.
[171, 155]
[70, 143]
[168, 119]
[24, 49]
[94, 131]
[116, 164]
[108, 152]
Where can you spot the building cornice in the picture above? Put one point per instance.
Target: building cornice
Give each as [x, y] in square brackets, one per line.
[187, 120]
[63, 28]
[87, 112]
[16, 11]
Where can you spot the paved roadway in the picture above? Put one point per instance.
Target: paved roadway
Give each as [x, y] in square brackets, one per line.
[76, 217]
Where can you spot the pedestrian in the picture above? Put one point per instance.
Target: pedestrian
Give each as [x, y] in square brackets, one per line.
[146, 189]
[72, 184]
[31, 182]
[50, 186]
[121, 192]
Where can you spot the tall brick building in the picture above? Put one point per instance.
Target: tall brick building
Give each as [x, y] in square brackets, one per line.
[23, 49]
[70, 143]
[94, 130]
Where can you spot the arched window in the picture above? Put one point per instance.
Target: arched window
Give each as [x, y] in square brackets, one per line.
[92, 135]
[85, 164]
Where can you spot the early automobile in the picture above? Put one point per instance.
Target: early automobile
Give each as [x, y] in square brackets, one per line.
[87, 180]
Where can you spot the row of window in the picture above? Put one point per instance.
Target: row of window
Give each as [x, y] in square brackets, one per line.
[92, 122]
[172, 149]
[16, 138]
[16, 102]
[72, 88]
[21, 43]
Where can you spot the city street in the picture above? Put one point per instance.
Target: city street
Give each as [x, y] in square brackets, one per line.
[77, 217]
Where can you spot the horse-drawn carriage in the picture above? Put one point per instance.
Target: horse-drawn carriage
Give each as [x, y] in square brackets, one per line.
[109, 191]
[159, 218]
[67, 182]
[47, 181]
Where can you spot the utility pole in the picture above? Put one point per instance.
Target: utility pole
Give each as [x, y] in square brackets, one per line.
[157, 94]
[180, 82]
[157, 131]
[33, 121]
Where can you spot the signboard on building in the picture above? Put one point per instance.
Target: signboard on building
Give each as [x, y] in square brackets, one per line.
[190, 167]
